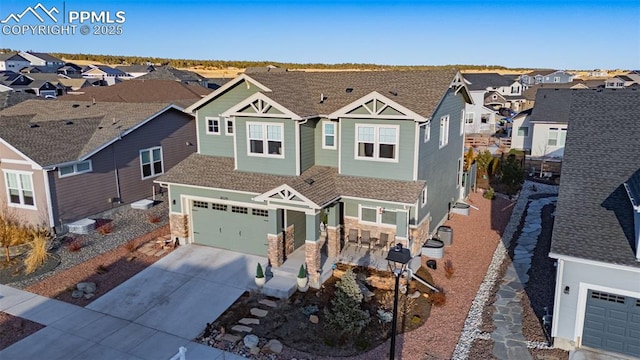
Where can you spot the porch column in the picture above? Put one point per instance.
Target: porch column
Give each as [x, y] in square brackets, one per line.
[312, 249]
[275, 249]
[334, 230]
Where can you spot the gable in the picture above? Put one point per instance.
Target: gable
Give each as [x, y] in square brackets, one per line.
[260, 105]
[374, 108]
[224, 88]
[375, 105]
[286, 195]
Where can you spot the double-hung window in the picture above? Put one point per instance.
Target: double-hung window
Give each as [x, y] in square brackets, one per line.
[444, 131]
[265, 139]
[230, 127]
[151, 162]
[423, 196]
[557, 137]
[377, 142]
[213, 126]
[328, 135]
[74, 169]
[20, 189]
[377, 216]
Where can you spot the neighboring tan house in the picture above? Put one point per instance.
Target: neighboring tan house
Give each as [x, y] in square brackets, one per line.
[12, 62]
[546, 77]
[65, 160]
[142, 91]
[281, 153]
[622, 81]
[103, 72]
[596, 232]
[490, 92]
[42, 59]
[548, 124]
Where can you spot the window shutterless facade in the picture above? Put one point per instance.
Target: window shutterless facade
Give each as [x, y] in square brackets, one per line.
[557, 136]
[377, 216]
[328, 135]
[19, 186]
[75, 169]
[377, 142]
[213, 125]
[230, 126]
[151, 162]
[444, 131]
[265, 139]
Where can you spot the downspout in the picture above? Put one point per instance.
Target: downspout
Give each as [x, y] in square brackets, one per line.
[47, 190]
[115, 170]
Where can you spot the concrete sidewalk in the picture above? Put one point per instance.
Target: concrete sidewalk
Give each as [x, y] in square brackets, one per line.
[147, 317]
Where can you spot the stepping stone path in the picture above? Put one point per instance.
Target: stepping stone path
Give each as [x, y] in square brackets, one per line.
[508, 341]
[249, 321]
[269, 303]
[241, 328]
[259, 312]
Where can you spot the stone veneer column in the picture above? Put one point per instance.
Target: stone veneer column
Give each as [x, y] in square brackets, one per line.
[289, 240]
[179, 226]
[334, 243]
[275, 250]
[312, 257]
[419, 235]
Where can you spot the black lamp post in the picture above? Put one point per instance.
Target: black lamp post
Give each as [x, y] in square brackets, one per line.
[398, 258]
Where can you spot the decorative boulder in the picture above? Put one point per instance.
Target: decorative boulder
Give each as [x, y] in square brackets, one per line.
[251, 341]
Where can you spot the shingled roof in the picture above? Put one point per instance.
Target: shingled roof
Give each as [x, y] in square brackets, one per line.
[483, 81]
[300, 92]
[142, 91]
[11, 98]
[552, 105]
[327, 185]
[594, 216]
[53, 132]
[170, 73]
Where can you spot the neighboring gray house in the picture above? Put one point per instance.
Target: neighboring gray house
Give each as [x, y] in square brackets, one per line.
[279, 153]
[65, 160]
[171, 73]
[547, 130]
[546, 77]
[42, 59]
[12, 62]
[596, 233]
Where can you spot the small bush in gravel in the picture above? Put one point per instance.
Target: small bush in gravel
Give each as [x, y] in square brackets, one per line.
[154, 219]
[101, 269]
[75, 244]
[489, 194]
[105, 229]
[38, 253]
[448, 269]
[131, 246]
[438, 299]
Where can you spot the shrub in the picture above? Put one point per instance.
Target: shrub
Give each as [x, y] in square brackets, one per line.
[101, 269]
[489, 194]
[345, 315]
[512, 174]
[448, 269]
[105, 229]
[154, 219]
[75, 244]
[438, 299]
[259, 271]
[310, 310]
[385, 316]
[302, 273]
[131, 246]
[38, 254]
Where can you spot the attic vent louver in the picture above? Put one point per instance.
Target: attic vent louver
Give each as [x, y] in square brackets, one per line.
[32, 125]
[348, 90]
[68, 122]
[309, 181]
[75, 105]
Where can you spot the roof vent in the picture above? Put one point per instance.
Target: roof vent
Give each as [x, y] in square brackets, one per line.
[68, 122]
[322, 98]
[33, 125]
[349, 90]
[309, 181]
[75, 105]
[393, 92]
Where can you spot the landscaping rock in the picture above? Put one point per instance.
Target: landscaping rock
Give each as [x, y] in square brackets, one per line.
[76, 294]
[87, 287]
[314, 319]
[249, 321]
[366, 293]
[415, 295]
[259, 312]
[241, 328]
[251, 341]
[231, 338]
[89, 296]
[269, 303]
[273, 346]
[254, 351]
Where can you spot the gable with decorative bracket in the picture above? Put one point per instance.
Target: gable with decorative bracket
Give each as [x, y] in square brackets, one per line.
[285, 194]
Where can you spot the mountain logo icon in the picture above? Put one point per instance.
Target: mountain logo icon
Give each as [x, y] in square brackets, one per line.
[39, 11]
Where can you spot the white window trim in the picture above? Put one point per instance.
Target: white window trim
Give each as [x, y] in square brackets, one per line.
[376, 143]
[424, 196]
[265, 145]
[324, 135]
[75, 169]
[150, 150]
[427, 132]
[459, 172]
[558, 132]
[226, 126]
[379, 210]
[210, 118]
[462, 122]
[444, 140]
[33, 190]
[473, 117]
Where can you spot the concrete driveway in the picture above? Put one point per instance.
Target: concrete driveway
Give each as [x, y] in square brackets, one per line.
[147, 317]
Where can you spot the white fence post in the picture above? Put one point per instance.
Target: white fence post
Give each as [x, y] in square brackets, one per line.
[181, 355]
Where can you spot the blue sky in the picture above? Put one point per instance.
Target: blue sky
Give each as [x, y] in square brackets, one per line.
[572, 35]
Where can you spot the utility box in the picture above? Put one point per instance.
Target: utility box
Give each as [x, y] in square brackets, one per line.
[445, 234]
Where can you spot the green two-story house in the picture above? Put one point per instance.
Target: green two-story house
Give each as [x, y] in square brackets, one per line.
[282, 156]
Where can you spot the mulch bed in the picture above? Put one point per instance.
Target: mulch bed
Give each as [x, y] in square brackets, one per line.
[14, 329]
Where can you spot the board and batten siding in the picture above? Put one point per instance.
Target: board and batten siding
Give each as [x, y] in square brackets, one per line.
[326, 157]
[221, 145]
[439, 167]
[264, 164]
[86, 194]
[573, 275]
[400, 170]
[307, 148]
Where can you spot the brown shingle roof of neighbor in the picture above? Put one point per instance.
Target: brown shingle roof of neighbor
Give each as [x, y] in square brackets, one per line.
[300, 92]
[11, 98]
[67, 131]
[326, 186]
[594, 216]
[142, 91]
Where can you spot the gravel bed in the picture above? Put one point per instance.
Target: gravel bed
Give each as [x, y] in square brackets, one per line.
[127, 223]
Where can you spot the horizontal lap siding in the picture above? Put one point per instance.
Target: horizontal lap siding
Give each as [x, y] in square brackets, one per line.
[38, 216]
[7, 153]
